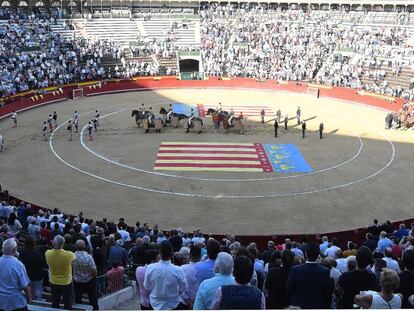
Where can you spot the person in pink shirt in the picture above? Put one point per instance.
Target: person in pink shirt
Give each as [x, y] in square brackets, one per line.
[150, 256]
[115, 277]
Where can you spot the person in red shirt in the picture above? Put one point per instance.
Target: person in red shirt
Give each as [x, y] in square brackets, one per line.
[396, 249]
[241, 115]
[45, 233]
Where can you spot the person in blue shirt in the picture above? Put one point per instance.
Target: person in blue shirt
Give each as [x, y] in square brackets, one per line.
[205, 269]
[118, 254]
[383, 242]
[401, 232]
[223, 267]
[13, 279]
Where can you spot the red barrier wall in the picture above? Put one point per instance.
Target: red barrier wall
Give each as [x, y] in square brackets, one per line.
[117, 86]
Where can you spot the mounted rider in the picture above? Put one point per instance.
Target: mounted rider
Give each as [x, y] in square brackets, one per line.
[150, 115]
[231, 114]
[142, 108]
[219, 108]
[191, 118]
[169, 112]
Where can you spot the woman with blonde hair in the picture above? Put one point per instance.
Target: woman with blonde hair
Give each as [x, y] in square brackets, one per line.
[385, 299]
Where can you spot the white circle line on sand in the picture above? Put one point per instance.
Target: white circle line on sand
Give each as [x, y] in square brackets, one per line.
[198, 195]
[361, 145]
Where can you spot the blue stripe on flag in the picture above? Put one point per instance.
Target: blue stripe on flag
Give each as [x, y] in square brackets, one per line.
[286, 158]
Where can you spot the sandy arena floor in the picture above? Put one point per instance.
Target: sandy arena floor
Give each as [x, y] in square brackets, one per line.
[360, 171]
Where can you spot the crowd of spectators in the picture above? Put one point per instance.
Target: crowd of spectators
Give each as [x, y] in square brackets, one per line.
[243, 42]
[303, 46]
[33, 57]
[174, 269]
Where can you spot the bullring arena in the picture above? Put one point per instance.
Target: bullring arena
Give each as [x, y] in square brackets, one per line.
[357, 170]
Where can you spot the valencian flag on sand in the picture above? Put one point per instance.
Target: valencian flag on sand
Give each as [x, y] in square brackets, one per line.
[229, 157]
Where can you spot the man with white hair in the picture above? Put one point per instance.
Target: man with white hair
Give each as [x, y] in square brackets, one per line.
[223, 269]
[60, 273]
[13, 279]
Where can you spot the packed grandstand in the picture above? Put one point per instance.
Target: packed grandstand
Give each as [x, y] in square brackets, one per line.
[49, 256]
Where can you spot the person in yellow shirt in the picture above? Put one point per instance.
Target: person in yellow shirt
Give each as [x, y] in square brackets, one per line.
[60, 272]
[351, 251]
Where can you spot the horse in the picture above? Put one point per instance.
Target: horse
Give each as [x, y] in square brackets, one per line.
[176, 118]
[144, 117]
[197, 124]
[167, 115]
[237, 124]
[156, 123]
[139, 116]
[1, 144]
[211, 111]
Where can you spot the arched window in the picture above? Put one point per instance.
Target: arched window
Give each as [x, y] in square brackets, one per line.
[22, 3]
[39, 4]
[5, 3]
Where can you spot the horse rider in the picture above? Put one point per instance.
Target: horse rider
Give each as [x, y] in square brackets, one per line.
[169, 113]
[142, 108]
[219, 108]
[192, 116]
[231, 116]
[151, 115]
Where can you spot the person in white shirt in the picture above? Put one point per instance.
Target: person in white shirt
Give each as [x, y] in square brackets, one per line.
[331, 251]
[340, 262]
[125, 236]
[14, 118]
[385, 299]
[391, 263]
[165, 281]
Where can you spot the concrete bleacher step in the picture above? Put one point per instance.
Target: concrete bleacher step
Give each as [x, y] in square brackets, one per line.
[45, 304]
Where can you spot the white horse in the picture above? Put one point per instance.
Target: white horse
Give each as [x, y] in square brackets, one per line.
[1, 143]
